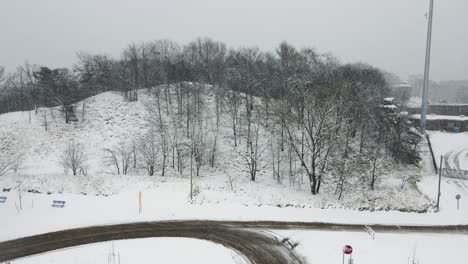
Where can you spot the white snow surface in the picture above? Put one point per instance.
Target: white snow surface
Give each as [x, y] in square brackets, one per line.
[110, 121]
[102, 197]
[141, 251]
[453, 146]
[440, 117]
[315, 246]
[325, 247]
[173, 203]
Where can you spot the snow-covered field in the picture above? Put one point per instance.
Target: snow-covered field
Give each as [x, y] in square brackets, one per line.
[325, 247]
[142, 251]
[452, 146]
[222, 193]
[110, 121]
[316, 246]
[172, 202]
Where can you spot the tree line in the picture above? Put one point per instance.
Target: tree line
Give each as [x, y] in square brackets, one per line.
[323, 119]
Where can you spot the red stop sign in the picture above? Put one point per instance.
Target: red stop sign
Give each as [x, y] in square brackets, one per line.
[347, 249]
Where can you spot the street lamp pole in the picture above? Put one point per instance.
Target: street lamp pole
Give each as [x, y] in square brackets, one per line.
[426, 69]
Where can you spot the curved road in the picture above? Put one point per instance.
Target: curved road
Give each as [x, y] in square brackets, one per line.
[246, 238]
[452, 162]
[258, 247]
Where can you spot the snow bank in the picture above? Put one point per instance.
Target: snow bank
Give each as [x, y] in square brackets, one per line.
[326, 247]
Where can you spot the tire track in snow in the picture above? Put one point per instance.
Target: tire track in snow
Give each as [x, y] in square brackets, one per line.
[454, 156]
[247, 238]
[255, 246]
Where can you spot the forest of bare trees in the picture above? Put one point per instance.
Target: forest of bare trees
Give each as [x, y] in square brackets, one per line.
[324, 120]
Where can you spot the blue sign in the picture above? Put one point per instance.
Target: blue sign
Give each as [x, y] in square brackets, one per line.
[59, 204]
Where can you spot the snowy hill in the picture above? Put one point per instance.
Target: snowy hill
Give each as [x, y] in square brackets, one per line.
[109, 121]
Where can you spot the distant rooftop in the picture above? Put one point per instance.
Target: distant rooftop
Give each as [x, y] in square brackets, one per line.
[448, 104]
[440, 117]
[402, 85]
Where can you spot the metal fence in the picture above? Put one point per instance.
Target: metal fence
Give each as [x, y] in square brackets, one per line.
[457, 174]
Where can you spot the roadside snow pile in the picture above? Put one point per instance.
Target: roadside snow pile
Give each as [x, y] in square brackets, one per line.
[110, 121]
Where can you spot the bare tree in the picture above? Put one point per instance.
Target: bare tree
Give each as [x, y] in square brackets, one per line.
[74, 158]
[2, 75]
[307, 122]
[232, 102]
[253, 153]
[132, 60]
[149, 150]
[198, 145]
[159, 125]
[6, 164]
[10, 153]
[276, 158]
[120, 157]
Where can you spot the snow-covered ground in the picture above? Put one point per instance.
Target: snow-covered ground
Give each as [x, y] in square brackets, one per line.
[142, 251]
[452, 146]
[316, 246]
[326, 247]
[172, 202]
[110, 121]
[222, 193]
[168, 199]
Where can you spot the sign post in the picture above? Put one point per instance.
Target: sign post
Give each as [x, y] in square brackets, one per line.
[348, 250]
[458, 197]
[440, 178]
[139, 203]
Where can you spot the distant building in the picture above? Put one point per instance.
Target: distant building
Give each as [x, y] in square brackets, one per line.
[449, 109]
[446, 117]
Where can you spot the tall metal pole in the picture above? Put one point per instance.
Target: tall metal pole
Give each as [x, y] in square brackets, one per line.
[426, 69]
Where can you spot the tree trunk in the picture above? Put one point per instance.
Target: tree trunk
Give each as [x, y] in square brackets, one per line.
[372, 182]
[319, 183]
[313, 183]
[164, 164]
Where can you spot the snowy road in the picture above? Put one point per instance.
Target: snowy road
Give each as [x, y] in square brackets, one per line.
[453, 169]
[247, 238]
[258, 247]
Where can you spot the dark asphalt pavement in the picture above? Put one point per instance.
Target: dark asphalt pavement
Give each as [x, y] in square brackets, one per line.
[247, 238]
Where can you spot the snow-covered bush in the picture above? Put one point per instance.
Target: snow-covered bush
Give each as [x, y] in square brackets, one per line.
[74, 158]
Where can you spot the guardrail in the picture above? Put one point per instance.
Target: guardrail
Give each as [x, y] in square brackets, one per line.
[457, 174]
[434, 162]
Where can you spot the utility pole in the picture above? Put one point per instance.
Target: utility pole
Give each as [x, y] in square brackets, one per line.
[426, 69]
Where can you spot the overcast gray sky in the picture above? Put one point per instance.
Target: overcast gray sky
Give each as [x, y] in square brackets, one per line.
[389, 34]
